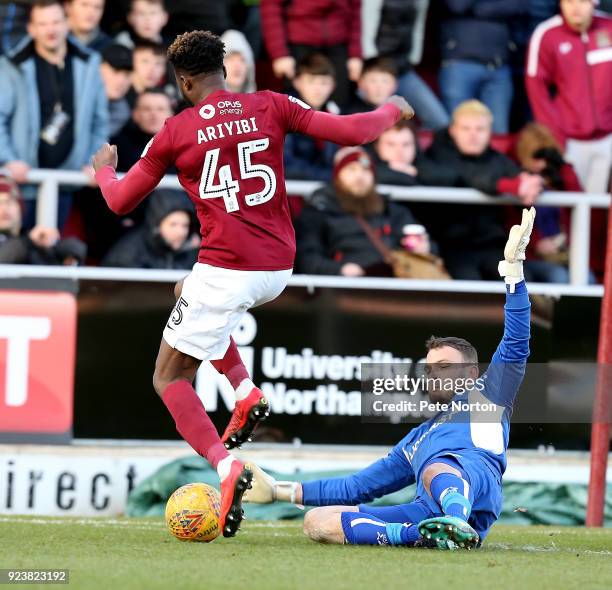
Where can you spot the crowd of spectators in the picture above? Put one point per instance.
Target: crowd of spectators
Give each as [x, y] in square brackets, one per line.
[512, 97]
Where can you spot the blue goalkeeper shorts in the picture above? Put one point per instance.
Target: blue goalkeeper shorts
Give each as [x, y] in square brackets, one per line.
[484, 495]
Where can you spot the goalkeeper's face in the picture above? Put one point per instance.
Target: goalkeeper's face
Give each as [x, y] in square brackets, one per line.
[447, 373]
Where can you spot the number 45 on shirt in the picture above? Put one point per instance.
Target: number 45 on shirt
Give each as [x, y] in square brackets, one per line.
[228, 187]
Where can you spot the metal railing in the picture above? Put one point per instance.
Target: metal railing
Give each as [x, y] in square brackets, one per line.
[579, 203]
[309, 282]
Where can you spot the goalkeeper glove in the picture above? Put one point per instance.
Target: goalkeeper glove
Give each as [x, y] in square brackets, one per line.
[265, 489]
[511, 268]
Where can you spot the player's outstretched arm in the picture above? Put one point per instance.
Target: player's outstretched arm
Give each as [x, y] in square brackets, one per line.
[386, 475]
[359, 128]
[123, 195]
[507, 368]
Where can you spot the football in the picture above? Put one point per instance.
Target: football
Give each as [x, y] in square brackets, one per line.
[192, 513]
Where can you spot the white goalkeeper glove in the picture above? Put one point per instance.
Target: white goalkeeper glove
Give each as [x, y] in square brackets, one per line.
[511, 268]
[265, 489]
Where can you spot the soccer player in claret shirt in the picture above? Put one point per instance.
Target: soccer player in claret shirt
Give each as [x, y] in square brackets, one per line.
[228, 151]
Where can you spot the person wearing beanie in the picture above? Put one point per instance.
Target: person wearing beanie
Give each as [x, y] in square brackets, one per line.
[330, 238]
[116, 71]
[163, 240]
[239, 62]
[41, 245]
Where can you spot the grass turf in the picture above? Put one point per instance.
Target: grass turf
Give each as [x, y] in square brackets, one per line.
[141, 554]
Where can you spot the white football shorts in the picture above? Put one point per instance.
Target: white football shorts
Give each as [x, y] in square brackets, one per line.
[212, 302]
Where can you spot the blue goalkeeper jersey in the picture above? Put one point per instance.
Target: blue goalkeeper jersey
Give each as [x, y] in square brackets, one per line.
[472, 437]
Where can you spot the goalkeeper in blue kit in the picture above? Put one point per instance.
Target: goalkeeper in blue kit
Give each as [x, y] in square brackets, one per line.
[456, 458]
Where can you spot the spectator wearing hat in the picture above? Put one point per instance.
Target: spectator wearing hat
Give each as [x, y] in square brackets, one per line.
[239, 62]
[163, 240]
[330, 238]
[116, 71]
[84, 18]
[40, 245]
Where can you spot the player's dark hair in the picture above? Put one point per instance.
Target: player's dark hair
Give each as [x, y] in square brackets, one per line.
[379, 64]
[197, 52]
[469, 353]
[315, 64]
[156, 48]
[44, 4]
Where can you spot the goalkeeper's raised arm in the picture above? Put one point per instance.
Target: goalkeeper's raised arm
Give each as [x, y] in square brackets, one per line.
[507, 368]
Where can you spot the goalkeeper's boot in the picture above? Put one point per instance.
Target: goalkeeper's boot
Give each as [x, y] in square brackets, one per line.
[449, 528]
[248, 413]
[232, 489]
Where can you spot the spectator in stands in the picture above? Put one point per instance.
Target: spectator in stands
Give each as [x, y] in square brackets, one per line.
[149, 69]
[398, 160]
[475, 37]
[472, 237]
[291, 30]
[569, 73]
[330, 240]
[44, 121]
[165, 238]
[84, 18]
[41, 245]
[146, 18]
[307, 158]
[377, 82]
[116, 71]
[152, 109]
[239, 62]
[395, 29]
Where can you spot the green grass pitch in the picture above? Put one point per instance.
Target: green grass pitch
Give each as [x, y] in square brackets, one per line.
[141, 554]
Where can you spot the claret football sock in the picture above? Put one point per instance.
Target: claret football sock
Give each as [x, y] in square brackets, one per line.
[233, 368]
[363, 529]
[193, 423]
[451, 492]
